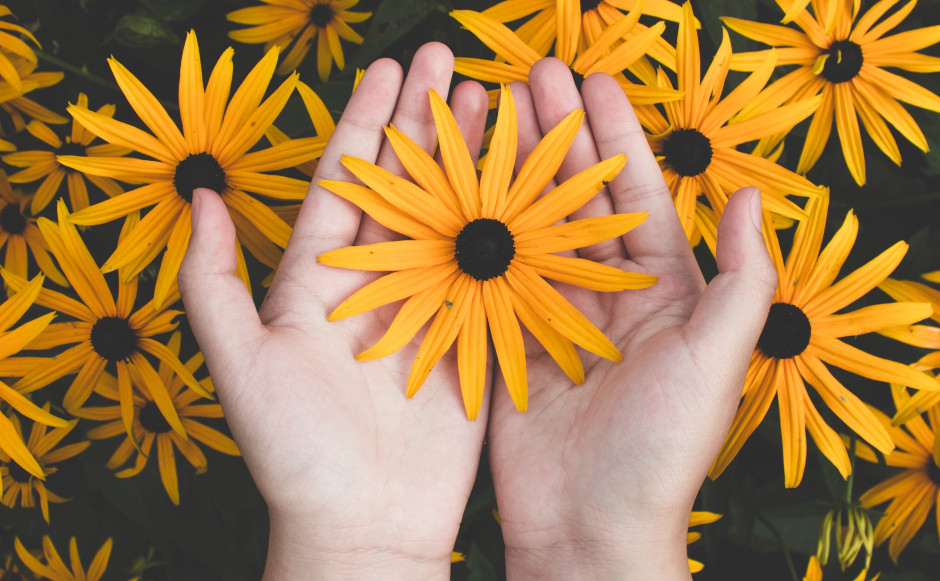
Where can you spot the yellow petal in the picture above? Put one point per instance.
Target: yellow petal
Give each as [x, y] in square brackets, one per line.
[393, 255]
[472, 348]
[507, 339]
[586, 273]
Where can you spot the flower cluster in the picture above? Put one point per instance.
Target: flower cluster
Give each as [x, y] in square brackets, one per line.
[95, 218]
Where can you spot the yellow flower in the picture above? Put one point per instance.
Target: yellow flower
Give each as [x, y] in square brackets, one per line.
[298, 23]
[211, 151]
[20, 107]
[696, 145]
[107, 332]
[18, 232]
[18, 483]
[698, 518]
[479, 250]
[11, 342]
[43, 164]
[801, 336]
[149, 426]
[623, 45]
[55, 568]
[914, 490]
[844, 59]
[11, 45]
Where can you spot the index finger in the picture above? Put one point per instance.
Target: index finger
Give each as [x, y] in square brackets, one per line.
[640, 187]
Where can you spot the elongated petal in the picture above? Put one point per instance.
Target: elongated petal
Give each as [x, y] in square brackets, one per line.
[416, 311]
[390, 288]
[540, 166]
[856, 284]
[507, 339]
[407, 196]
[558, 313]
[442, 332]
[577, 233]
[390, 256]
[568, 196]
[472, 353]
[870, 319]
[382, 211]
[498, 165]
[422, 168]
[792, 425]
[150, 111]
[457, 162]
[497, 37]
[586, 273]
[855, 360]
[122, 134]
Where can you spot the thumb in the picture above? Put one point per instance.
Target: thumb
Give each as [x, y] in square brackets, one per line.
[732, 310]
[219, 307]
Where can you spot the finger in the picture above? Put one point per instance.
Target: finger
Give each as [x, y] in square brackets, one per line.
[732, 310]
[527, 126]
[640, 187]
[555, 96]
[218, 305]
[470, 104]
[431, 68]
[325, 220]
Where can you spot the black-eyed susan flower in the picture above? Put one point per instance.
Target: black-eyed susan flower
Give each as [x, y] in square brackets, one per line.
[478, 252]
[698, 518]
[298, 24]
[21, 108]
[13, 45]
[18, 484]
[697, 146]
[802, 335]
[106, 332]
[151, 429]
[845, 61]
[54, 567]
[211, 151]
[12, 341]
[21, 237]
[606, 52]
[42, 165]
[914, 491]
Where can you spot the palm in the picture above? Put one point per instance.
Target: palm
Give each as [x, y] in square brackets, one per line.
[640, 433]
[329, 439]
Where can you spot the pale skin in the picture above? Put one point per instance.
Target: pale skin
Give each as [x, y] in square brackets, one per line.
[594, 481]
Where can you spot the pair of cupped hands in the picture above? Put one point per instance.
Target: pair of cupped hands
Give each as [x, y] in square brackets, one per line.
[594, 481]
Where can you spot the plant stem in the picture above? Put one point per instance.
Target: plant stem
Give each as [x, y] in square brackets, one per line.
[786, 552]
[93, 78]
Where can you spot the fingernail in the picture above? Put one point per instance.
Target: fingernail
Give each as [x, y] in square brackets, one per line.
[757, 213]
[195, 205]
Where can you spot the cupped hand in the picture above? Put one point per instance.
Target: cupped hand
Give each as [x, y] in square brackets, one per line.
[358, 479]
[597, 481]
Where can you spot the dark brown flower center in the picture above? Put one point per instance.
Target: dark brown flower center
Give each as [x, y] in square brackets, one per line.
[69, 148]
[18, 473]
[844, 62]
[484, 248]
[786, 333]
[688, 152]
[199, 170]
[321, 15]
[933, 471]
[152, 419]
[12, 219]
[113, 338]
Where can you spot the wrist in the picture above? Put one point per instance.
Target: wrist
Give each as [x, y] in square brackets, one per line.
[302, 548]
[624, 550]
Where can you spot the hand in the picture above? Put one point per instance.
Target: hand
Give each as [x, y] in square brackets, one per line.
[597, 481]
[359, 481]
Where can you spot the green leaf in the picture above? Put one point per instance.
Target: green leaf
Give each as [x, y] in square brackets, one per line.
[141, 31]
[479, 565]
[174, 10]
[390, 22]
[709, 14]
